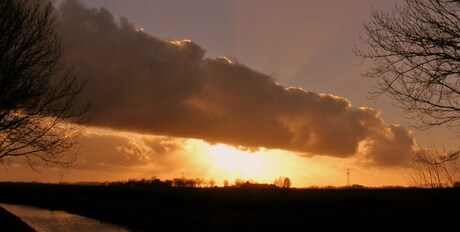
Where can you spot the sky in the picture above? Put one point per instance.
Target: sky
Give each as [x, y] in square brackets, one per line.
[230, 89]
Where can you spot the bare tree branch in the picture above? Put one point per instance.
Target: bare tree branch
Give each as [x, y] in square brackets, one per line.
[436, 169]
[39, 114]
[415, 51]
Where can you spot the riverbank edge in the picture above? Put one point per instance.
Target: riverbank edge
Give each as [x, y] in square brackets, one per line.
[10, 222]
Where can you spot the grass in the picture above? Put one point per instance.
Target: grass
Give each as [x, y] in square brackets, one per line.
[11, 223]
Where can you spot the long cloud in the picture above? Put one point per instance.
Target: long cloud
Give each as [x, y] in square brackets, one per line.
[140, 83]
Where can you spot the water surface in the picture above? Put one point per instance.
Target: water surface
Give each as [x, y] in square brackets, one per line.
[44, 220]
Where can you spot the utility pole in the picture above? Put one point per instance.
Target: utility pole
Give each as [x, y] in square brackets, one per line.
[348, 178]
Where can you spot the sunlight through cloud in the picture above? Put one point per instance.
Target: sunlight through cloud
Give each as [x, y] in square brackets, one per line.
[238, 163]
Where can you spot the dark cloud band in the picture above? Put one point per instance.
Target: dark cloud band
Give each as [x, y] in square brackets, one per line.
[139, 83]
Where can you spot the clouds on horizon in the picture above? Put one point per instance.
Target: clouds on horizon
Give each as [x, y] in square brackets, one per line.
[140, 83]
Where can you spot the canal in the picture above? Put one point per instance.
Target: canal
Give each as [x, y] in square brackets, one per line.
[44, 220]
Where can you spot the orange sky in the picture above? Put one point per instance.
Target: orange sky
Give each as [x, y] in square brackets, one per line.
[230, 89]
[107, 155]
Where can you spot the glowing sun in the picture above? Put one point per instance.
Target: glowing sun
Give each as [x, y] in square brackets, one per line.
[236, 163]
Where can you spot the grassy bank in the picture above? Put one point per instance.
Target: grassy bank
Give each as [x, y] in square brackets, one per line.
[11, 223]
[236, 209]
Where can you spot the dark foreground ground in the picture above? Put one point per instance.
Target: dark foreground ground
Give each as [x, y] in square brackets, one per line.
[11, 223]
[249, 209]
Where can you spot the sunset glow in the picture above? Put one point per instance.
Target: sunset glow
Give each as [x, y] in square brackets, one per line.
[211, 93]
[229, 115]
[236, 163]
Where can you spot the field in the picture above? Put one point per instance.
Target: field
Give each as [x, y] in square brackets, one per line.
[148, 209]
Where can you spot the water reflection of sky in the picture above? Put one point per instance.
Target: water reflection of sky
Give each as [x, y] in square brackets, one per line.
[43, 220]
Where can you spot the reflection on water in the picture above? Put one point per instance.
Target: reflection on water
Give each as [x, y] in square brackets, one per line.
[43, 220]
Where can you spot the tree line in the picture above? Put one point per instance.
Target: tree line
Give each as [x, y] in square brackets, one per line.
[281, 182]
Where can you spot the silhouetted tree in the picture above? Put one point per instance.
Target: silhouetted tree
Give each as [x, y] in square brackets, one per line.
[287, 182]
[416, 56]
[357, 186]
[178, 182]
[199, 182]
[282, 182]
[226, 183]
[435, 169]
[168, 183]
[190, 183]
[415, 50]
[457, 185]
[239, 182]
[211, 183]
[38, 96]
[143, 183]
[184, 183]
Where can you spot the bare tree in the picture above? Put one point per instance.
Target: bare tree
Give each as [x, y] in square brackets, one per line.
[436, 169]
[39, 114]
[415, 52]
